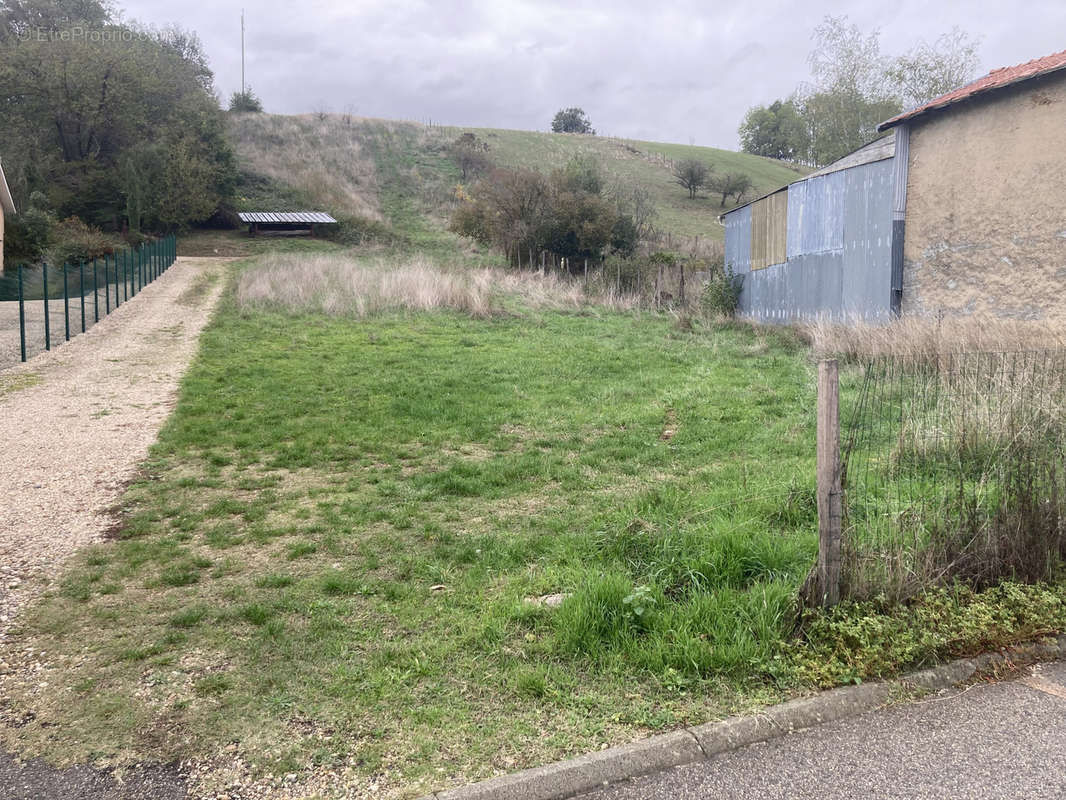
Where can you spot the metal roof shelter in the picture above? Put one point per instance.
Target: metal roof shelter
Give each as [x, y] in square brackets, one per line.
[284, 221]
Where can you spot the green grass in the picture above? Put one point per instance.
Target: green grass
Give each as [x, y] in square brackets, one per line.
[343, 520]
[330, 552]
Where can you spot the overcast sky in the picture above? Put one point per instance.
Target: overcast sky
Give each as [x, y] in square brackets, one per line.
[676, 72]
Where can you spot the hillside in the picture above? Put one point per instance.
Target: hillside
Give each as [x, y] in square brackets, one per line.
[400, 171]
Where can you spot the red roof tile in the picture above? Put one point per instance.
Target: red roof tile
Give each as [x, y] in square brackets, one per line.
[996, 79]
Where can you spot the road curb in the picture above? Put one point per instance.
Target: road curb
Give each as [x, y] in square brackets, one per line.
[576, 776]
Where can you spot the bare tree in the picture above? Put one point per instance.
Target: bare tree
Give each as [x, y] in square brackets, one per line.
[730, 184]
[471, 155]
[691, 174]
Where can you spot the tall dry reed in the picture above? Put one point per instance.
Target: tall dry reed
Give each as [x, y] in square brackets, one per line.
[921, 337]
[343, 285]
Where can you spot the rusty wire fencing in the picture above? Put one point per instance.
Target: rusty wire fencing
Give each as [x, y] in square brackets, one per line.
[952, 467]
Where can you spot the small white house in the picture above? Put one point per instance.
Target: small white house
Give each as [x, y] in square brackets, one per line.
[7, 206]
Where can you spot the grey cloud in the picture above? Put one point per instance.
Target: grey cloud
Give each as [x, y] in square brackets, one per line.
[669, 71]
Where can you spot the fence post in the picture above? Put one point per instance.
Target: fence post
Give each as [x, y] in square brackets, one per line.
[681, 291]
[22, 317]
[829, 492]
[107, 282]
[96, 294]
[81, 291]
[66, 304]
[47, 310]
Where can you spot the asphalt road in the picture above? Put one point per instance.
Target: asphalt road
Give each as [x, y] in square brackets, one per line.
[990, 741]
[36, 780]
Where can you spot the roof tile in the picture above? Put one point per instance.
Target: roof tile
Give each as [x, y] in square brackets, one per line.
[996, 79]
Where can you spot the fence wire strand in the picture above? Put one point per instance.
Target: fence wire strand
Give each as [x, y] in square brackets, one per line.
[953, 467]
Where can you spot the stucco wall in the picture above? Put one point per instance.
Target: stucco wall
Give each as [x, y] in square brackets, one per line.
[986, 206]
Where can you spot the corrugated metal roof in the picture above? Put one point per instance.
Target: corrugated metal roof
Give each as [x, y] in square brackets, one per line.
[877, 150]
[996, 79]
[303, 217]
[7, 202]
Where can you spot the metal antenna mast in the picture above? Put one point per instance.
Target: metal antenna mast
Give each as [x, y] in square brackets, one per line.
[242, 51]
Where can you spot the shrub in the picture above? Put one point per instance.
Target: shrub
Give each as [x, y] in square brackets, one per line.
[29, 233]
[721, 293]
[73, 241]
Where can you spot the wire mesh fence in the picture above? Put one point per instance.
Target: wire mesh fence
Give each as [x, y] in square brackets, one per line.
[953, 466]
[43, 306]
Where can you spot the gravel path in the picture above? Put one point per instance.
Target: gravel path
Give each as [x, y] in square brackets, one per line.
[79, 419]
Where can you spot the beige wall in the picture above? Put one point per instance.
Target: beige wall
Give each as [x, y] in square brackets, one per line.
[986, 206]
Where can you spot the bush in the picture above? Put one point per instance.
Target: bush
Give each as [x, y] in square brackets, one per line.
[29, 233]
[721, 293]
[73, 241]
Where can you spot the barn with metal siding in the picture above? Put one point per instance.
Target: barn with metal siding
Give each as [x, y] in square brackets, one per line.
[821, 247]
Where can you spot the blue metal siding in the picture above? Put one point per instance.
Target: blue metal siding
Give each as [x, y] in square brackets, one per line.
[738, 252]
[738, 240]
[868, 242]
[839, 247]
[816, 215]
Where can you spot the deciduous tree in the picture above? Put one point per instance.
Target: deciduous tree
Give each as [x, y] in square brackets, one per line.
[691, 174]
[572, 120]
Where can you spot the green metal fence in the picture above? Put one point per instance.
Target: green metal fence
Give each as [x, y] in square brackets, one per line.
[88, 291]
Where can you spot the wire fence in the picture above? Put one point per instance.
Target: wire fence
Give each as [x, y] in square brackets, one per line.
[952, 466]
[48, 305]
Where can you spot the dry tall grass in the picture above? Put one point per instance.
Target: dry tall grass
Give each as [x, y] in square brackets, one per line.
[347, 286]
[323, 159]
[921, 337]
[954, 470]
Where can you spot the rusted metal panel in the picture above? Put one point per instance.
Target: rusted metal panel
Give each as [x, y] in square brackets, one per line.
[769, 230]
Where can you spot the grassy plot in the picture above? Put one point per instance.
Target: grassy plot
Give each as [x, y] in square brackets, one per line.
[330, 555]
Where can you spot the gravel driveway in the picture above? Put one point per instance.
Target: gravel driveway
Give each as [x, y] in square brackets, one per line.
[79, 419]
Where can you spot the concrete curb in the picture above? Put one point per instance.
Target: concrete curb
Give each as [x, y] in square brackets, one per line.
[566, 779]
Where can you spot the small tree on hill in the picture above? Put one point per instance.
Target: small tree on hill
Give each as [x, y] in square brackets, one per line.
[572, 120]
[731, 184]
[245, 101]
[691, 174]
[470, 154]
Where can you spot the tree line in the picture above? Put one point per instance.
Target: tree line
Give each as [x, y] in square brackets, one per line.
[854, 87]
[115, 128]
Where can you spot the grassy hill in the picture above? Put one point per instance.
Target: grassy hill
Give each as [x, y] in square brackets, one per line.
[400, 173]
[646, 163]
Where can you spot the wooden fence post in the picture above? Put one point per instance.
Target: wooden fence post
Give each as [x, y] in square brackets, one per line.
[681, 291]
[829, 491]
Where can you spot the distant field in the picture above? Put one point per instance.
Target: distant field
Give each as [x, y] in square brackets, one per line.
[401, 170]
